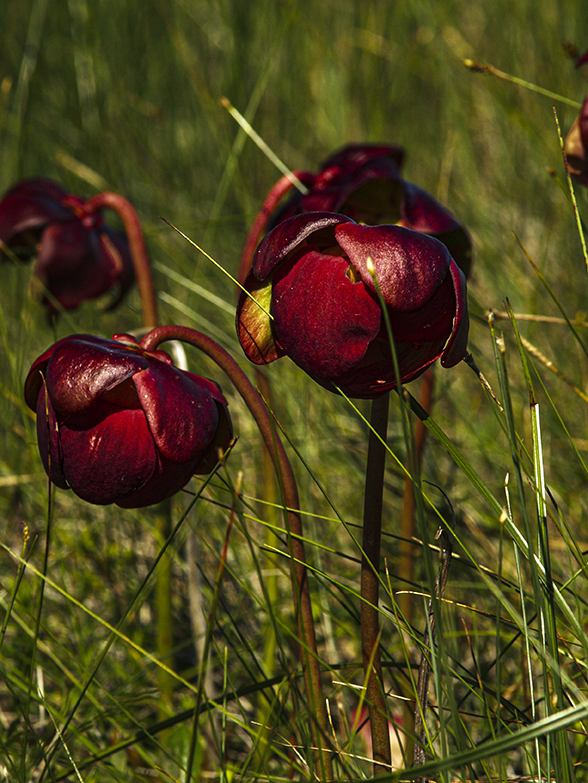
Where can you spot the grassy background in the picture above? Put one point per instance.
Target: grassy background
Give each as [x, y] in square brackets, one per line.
[122, 96]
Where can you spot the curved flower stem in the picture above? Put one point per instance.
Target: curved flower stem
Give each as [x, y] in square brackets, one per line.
[283, 468]
[282, 186]
[370, 567]
[127, 214]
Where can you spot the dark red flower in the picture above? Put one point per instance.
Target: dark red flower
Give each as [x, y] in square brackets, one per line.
[576, 146]
[77, 256]
[582, 59]
[313, 298]
[363, 182]
[118, 424]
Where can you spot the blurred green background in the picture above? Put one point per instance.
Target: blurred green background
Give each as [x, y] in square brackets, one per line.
[122, 96]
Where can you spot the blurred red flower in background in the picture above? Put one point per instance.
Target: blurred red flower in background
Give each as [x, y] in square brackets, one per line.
[363, 182]
[576, 146]
[77, 257]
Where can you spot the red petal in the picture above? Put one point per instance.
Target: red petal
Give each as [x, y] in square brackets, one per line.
[48, 441]
[456, 348]
[181, 413]
[354, 155]
[409, 266]
[83, 367]
[72, 264]
[107, 452]
[289, 235]
[253, 322]
[29, 206]
[323, 320]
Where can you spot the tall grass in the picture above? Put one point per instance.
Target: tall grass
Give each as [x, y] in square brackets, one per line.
[127, 97]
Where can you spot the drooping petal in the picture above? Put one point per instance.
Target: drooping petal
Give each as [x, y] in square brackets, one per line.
[373, 197]
[167, 479]
[180, 411]
[582, 59]
[354, 155]
[289, 235]
[421, 212]
[322, 320]
[456, 347]
[223, 437]
[29, 206]
[409, 266]
[254, 324]
[375, 375]
[71, 264]
[48, 440]
[576, 146]
[84, 367]
[107, 452]
[433, 321]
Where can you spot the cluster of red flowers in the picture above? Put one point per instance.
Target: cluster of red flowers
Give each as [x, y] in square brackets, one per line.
[360, 252]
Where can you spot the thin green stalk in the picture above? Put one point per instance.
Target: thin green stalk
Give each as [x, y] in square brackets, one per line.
[163, 620]
[207, 642]
[563, 761]
[116, 631]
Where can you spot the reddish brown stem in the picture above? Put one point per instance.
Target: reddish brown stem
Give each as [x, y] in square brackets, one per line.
[132, 226]
[278, 191]
[370, 568]
[285, 474]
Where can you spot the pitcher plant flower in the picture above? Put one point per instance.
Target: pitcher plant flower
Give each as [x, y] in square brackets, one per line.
[119, 424]
[311, 295]
[363, 182]
[576, 146]
[76, 255]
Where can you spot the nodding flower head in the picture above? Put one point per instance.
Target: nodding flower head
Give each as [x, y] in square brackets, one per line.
[76, 256]
[118, 424]
[311, 296]
[363, 182]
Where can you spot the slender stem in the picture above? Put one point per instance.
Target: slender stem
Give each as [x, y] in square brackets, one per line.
[163, 605]
[282, 186]
[132, 225]
[283, 468]
[370, 567]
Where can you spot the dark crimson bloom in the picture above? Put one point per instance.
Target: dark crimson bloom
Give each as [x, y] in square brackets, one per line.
[313, 298]
[118, 424]
[77, 256]
[576, 146]
[363, 182]
[582, 59]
